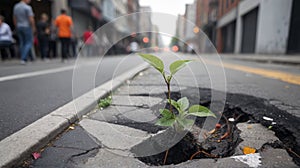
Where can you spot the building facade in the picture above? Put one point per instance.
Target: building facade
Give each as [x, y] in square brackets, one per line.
[190, 16]
[145, 24]
[197, 27]
[258, 26]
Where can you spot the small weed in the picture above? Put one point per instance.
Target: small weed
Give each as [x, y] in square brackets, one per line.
[103, 103]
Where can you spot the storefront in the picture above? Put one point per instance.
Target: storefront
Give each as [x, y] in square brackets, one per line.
[84, 14]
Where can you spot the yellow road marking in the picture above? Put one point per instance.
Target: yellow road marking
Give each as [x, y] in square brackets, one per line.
[283, 76]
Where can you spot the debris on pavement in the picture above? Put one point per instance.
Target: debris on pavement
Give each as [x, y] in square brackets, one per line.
[267, 118]
[231, 119]
[36, 155]
[248, 150]
[252, 160]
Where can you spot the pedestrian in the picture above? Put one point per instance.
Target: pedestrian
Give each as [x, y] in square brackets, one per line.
[133, 47]
[74, 42]
[52, 40]
[23, 17]
[6, 40]
[43, 31]
[88, 40]
[64, 24]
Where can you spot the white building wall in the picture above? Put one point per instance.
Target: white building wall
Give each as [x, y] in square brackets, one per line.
[145, 23]
[180, 27]
[190, 21]
[273, 26]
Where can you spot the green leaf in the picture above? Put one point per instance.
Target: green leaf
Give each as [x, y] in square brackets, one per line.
[185, 123]
[175, 104]
[200, 111]
[103, 103]
[183, 103]
[177, 65]
[166, 113]
[165, 121]
[169, 78]
[154, 61]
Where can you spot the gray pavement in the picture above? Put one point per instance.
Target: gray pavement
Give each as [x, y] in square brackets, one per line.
[104, 138]
[26, 99]
[34, 136]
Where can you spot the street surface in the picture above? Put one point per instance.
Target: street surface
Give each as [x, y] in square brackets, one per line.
[269, 81]
[274, 82]
[26, 98]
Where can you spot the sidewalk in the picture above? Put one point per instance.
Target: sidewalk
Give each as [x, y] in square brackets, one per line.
[107, 137]
[279, 59]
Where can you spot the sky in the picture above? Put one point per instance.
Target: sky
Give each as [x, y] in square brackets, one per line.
[173, 7]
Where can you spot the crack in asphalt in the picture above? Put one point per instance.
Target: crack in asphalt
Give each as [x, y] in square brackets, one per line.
[68, 147]
[116, 149]
[85, 152]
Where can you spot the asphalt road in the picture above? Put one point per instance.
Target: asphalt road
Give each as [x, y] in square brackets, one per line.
[266, 80]
[28, 96]
[24, 99]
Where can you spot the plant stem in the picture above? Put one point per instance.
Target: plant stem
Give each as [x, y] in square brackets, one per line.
[201, 151]
[169, 91]
[166, 156]
[169, 97]
[198, 152]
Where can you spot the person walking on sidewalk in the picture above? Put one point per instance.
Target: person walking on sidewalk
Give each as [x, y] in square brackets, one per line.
[23, 17]
[74, 42]
[52, 40]
[43, 31]
[64, 24]
[88, 41]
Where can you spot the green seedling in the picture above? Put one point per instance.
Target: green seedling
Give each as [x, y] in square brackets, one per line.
[103, 103]
[182, 119]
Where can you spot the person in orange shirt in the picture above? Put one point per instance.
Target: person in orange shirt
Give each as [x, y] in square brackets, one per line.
[64, 24]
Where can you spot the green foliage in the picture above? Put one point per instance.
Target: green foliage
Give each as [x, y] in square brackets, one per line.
[103, 103]
[154, 61]
[200, 111]
[177, 65]
[181, 120]
[167, 119]
[183, 104]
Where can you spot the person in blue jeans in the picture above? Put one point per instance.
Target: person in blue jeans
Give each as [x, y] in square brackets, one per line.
[24, 21]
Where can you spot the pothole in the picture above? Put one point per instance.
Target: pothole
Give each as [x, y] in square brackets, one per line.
[242, 108]
[218, 144]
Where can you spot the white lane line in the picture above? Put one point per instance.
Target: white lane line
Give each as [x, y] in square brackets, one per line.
[37, 73]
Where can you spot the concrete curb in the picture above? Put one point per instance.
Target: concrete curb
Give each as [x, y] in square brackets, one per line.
[18, 146]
